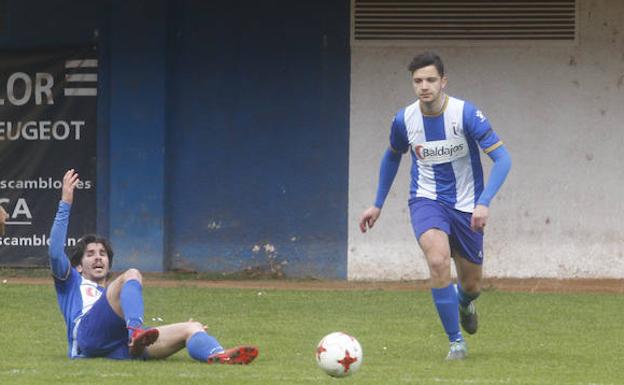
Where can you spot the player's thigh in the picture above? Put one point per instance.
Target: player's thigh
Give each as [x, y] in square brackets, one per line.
[468, 272]
[113, 289]
[427, 214]
[172, 338]
[435, 244]
[101, 331]
[466, 242]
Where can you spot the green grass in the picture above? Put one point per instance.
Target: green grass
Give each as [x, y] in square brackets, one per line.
[525, 339]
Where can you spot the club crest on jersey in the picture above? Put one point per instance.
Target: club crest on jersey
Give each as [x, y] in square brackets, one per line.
[455, 127]
[91, 292]
[480, 115]
[441, 151]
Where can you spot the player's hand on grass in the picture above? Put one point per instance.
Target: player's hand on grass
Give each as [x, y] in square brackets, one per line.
[369, 217]
[479, 218]
[70, 180]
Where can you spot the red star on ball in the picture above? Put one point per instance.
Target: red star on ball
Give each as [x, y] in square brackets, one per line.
[320, 349]
[347, 361]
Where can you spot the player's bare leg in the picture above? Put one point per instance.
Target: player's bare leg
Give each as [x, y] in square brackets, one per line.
[435, 246]
[173, 338]
[470, 276]
[199, 344]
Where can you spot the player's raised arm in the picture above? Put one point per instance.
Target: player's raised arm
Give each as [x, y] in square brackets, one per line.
[70, 180]
[59, 262]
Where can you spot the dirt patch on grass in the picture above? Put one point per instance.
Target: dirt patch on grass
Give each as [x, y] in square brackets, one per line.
[533, 285]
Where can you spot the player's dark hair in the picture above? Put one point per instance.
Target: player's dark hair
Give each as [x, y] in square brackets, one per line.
[79, 250]
[424, 59]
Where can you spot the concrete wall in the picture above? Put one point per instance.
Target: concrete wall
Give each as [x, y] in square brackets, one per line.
[559, 109]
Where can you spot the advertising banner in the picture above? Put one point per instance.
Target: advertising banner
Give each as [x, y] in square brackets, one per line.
[48, 110]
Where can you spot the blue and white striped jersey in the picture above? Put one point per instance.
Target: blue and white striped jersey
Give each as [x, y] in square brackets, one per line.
[75, 294]
[446, 164]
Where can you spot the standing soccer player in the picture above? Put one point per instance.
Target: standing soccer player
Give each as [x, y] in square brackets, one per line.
[105, 318]
[449, 204]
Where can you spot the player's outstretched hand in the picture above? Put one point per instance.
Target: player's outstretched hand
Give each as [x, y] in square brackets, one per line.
[70, 180]
[369, 217]
[479, 218]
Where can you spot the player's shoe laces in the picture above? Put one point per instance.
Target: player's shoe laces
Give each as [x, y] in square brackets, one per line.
[457, 351]
[140, 339]
[469, 318]
[240, 355]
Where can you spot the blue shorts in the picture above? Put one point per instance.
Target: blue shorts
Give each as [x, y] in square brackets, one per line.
[429, 214]
[102, 333]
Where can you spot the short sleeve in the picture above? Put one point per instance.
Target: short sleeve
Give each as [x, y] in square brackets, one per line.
[398, 133]
[478, 127]
[64, 286]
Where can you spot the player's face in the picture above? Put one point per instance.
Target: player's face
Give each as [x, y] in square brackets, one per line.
[428, 84]
[94, 265]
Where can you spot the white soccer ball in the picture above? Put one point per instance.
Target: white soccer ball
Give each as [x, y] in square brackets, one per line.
[339, 354]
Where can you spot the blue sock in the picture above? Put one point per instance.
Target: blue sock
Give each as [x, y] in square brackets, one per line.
[446, 302]
[200, 346]
[131, 298]
[466, 298]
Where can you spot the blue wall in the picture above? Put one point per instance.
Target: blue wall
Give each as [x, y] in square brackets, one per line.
[34, 23]
[137, 125]
[258, 101]
[223, 125]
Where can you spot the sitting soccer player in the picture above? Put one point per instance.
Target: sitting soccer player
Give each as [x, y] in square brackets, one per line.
[106, 319]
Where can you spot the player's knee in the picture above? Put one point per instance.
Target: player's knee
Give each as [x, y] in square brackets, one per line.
[439, 265]
[471, 286]
[193, 327]
[133, 274]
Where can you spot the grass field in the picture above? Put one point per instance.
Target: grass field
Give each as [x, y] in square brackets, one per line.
[572, 339]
